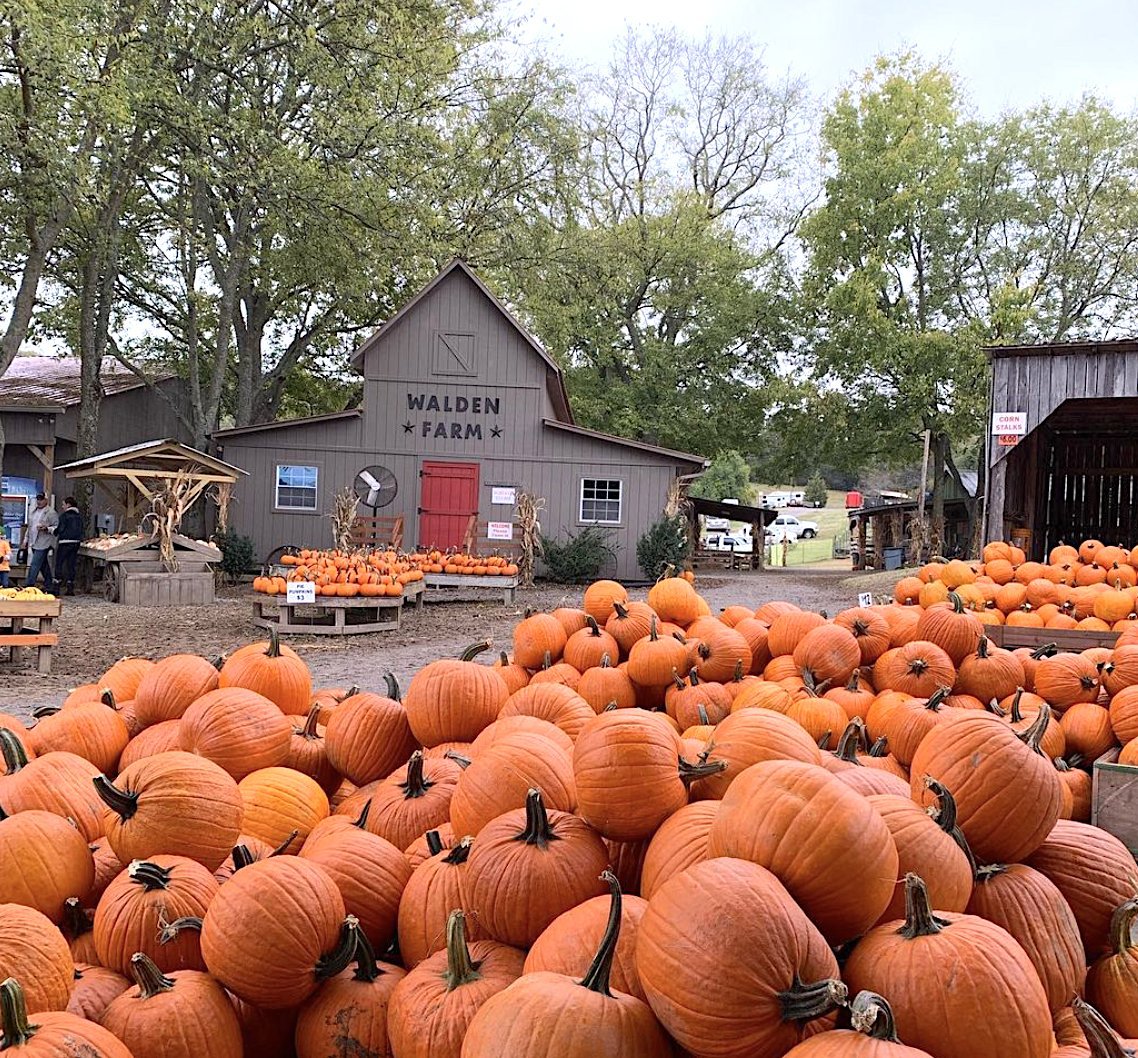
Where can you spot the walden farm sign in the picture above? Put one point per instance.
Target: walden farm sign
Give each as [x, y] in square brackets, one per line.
[432, 407]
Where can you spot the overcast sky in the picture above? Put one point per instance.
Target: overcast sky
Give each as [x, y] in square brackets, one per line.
[1009, 53]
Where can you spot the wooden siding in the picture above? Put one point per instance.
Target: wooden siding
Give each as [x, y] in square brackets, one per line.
[23, 428]
[131, 417]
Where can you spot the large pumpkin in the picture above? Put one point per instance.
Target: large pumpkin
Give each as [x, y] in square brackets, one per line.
[56, 1034]
[240, 730]
[991, 672]
[996, 1004]
[731, 965]
[437, 887]
[1065, 679]
[273, 671]
[550, 1013]
[873, 1035]
[535, 636]
[827, 655]
[560, 705]
[170, 687]
[599, 598]
[58, 782]
[90, 730]
[452, 701]
[369, 736]
[44, 860]
[680, 842]
[33, 950]
[815, 835]
[1112, 984]
[952, 628]
[919, 668]
[279, 803]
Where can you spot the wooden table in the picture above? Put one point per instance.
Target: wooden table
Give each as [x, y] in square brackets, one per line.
[16, 637]
[330, 615]
[508, 586]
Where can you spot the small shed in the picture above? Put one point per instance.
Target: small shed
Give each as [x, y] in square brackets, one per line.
[758, 518]
[1063, 444]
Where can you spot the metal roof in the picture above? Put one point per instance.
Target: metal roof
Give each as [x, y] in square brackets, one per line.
[164, 449]
[1109, 345]
[738, 512]
[277, 424]
[40, 383]
[643, 446]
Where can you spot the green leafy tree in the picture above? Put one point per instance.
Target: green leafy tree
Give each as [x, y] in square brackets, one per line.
[728, 477]
[816, 490]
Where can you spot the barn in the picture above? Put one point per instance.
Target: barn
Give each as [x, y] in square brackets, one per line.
[462, 409]
[1063, 451]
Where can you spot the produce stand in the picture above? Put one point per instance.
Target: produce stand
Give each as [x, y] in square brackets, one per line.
[1114, 799]
[133, 573]
[16, 637]
[330, 615]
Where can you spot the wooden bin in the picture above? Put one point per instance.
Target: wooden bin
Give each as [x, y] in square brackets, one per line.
[150, 584]
[1114, 800]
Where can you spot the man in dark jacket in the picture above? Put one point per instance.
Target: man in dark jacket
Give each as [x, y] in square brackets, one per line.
[69, 535]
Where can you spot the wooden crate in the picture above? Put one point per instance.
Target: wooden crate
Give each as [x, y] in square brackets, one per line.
[1114, 800]
[148, 584]
[1071, 640]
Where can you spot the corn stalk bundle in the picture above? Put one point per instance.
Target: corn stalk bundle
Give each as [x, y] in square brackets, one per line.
[343, 515]
[527, 509]
[222, 495]
[168, 507]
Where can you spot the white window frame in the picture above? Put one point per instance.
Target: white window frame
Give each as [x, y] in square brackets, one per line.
[582, 520]
[278, 506]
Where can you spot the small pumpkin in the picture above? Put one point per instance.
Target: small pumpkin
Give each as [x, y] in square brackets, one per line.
[171, 686]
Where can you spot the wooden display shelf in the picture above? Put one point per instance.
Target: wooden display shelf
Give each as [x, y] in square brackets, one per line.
[330, 615]
[508, 586]
[1114, 800]
[1070, 640]
[41, 639]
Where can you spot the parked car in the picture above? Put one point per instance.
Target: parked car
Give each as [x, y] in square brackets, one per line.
[796, 528]
[738, 542]
[718, 525]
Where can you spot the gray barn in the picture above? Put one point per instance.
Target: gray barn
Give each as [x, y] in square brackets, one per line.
[461, 406]
[1063, 454]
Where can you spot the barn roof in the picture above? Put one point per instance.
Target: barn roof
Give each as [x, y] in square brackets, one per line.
[278, 424]
[643, 446]
[1093, 348]
[557, 382]
[35, 383]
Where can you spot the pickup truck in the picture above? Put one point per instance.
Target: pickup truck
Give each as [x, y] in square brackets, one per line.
[794, 528]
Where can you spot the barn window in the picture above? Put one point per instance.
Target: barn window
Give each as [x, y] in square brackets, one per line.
[296, 488]
[601, 500]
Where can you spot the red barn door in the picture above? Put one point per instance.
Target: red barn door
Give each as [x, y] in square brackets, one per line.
[448, 496]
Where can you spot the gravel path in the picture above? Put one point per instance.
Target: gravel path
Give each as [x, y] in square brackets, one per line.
[95, 633]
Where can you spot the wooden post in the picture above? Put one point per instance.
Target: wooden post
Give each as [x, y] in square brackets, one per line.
[48, 483]
[758, 544]
[861, 537]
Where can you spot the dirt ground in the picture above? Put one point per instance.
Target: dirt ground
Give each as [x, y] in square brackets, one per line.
[95, 633]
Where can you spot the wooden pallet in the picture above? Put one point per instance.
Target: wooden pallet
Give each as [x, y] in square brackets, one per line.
[328, 616]
[42, 639]
[1069, 640]
[1114, 799]
[508, 586]
[384, 532]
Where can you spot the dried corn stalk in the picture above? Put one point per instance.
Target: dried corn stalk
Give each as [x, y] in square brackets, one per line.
[527, 508]
[343, 515]
[222, 495]
[168, 506]
[676, 500]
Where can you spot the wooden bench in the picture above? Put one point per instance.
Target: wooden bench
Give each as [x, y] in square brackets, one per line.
[379, 532]
[41, 639]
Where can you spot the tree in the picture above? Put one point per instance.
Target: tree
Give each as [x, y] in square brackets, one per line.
[728, 477]
[816, 490]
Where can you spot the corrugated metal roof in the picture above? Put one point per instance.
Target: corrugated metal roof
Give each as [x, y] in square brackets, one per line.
[53, 382]
[164, 448]
[278, 424]
[667, 453]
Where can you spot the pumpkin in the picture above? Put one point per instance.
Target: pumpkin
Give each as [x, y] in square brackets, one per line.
[432, 1007]
[307, 753]
[730, 922]
[992, 976]
[409, 802]
[452, 701]
[821, 718]
[239, 730]
[585, 649]
[873, 1035]
[44, 860]
[1094, 872]
[512, 725]
[1102, 1040]
[370, 873]
[348, 1015]
[369, 736]
[629, 773]
[172, 803]
[600, 596]
[762, 694]
[513, 675]
[755, 633]
[1031, 909]
[188, 1011]
[76, 928]
[54, 1034]
[93, 989]
[143, 911]
[1122, 671]
[1087, 730]
[272, 670]
[991, 672]
[57, 782]
[499, 780]
[1123, 714]
[775, 814]
[1023, 712]
[870, 630]
[1112, 983]
[528, 866]
[1008, 796]
[827, 655]
[160, 738]
[567, 945]
[907, 726]
[719, 653]
[273, 932]
[655, 660]
[952, 628]
[535, 636]
[171, 686]
[107, 867]
[629, 623]
[925, 846]
[278, 802]
[90, 730]
[550, 1013]
[1065, 679]
[266, 1033]
[855, 698]
[1078, 789]
[560, 705]
[570, 618]
[606, 684]
[680, 842]
[123, 678]
[919, 668]
[33, 950]
[436, 888]
[674, 599]
[696, 701]
[789, 628]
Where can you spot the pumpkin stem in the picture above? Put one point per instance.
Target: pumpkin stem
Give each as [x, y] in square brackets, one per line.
[460, 852]
[504, 659]
[704, 719]
[242, 857]
[392, 685]
[108, 699]
[606, 661]
[872, 1016]
[546, 661]
[150, 980]
[995, 708]
[12, 750]
[737, 677]
[416, 784]
[45, 711]
[594, 628]
[610, 707]
[361, 820]
[849, 742]
[309, 729]
[919, 918]
[458, 758]
[149, 875]
[472, 651]
[693, 678]
[274, 647]
[620, 608]
[434, 841]
[597, 977]
[690, 772]
[854, 681]
[168, 931]
[936, 699]
[14, 1015]
[1016, 711]
[1103, 1042]
[1046, 651]
[678, 681]
[461, 969]
[1122, 926]
[351, 692]
[824, 739]
[652, 633]
[801, 1002]
[957, 602]
[537, 830]
[943, 812]
[1034, 734]
[123, 804]
[982, 648]
[348, 948]
[880, 748]
[75, 919]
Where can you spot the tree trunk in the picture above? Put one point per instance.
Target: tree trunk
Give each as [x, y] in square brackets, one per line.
[936, 529]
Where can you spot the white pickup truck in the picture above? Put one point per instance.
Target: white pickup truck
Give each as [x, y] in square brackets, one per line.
[786, 525]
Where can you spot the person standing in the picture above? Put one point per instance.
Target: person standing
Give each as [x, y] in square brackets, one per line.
[5, 560]
[69, 535]
[39, 539]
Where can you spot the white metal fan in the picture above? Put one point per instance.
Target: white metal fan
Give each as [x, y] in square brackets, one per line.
[376, 487]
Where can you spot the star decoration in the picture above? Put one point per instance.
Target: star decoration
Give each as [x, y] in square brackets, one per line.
[408, 427]
[495, 431]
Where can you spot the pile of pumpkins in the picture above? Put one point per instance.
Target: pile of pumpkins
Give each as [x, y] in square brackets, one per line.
[646, 831]
[370, 574]
[1093, 586]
